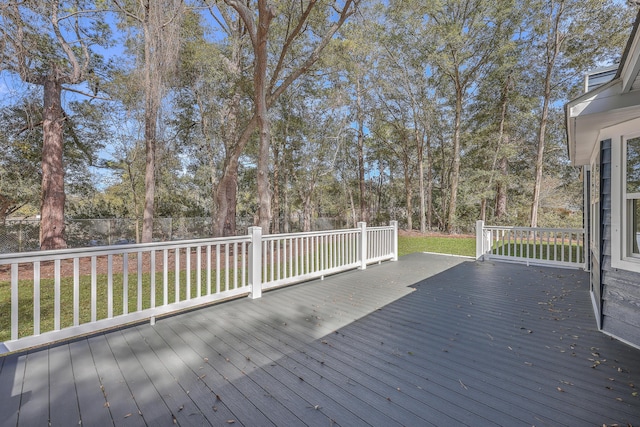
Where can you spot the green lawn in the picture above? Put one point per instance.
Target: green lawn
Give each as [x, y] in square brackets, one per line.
[25, 297]
[440, 244]
[551, 251]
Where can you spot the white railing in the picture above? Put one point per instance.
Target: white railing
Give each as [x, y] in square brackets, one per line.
[562, 247]
[52, 295]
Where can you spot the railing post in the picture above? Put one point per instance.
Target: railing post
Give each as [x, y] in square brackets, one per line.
[479, 239]
[255, 262]
[363, 245]
[394, 240]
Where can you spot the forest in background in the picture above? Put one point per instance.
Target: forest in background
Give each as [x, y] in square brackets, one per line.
[435, 115]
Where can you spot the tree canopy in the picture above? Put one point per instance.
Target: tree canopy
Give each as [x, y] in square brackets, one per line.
[282, 114]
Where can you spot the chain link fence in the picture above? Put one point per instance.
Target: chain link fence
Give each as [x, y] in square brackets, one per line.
[24, 235]
[20, 236]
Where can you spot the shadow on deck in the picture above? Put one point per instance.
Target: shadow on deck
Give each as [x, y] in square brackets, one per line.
[428, 340]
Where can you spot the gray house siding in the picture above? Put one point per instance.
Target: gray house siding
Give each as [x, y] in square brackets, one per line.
[620, 288]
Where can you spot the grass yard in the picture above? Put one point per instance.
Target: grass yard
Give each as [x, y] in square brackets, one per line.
[137, 294]
[550, 252]
[450, 245]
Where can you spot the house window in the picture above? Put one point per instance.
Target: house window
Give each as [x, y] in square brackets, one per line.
[625, 194]
[632, 196]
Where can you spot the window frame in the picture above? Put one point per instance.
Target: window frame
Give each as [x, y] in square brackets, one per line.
[619, 134]
[627, 219]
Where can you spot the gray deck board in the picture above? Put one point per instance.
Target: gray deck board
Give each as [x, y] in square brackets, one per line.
[175, 398]
[90, 396]
[234, 367]
[10, 389]
[502, 388]
[428, 340]
[121, 405]
[266, 353]
[195, 352]
[310, 369]
[202, 401]
[352, 373]
[243, 356]
[34, 407]
[151, 406]
[63, 405]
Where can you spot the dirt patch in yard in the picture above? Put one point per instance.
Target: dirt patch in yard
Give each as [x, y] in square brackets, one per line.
[47, 268]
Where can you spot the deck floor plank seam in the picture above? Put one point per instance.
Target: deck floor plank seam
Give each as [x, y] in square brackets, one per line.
[63, 412]
[189, 380]
[271, 354]
[92, 403]
[170, 392]
[234, 374]
[201, 362]
[302, 361]
[119, 399]
[330, 360]
[242, 351]
[269, 386]
[307, 373]
[503, 387]
[34, 403]
[152, 407]
[10, 389]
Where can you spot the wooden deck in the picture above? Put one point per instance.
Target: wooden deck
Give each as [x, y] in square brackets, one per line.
[428, 340]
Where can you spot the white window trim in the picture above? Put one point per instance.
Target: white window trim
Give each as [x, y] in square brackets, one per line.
[618, 134]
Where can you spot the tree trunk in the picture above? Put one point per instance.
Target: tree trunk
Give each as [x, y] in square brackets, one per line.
[542, 130]
[420, 160]
[361, 181]
[265, 15]
[501, 190]
[226, 196]
[53, 196]
[354, 217]
[287, 210]
[408, 195]
[306, 213]
[151, 95]
[134, 194]
[150, 118]
[455, 168]
[429, 183]
[224, 218]
[276, 189]
[553, 44]
[500, 139]
[483, 209]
